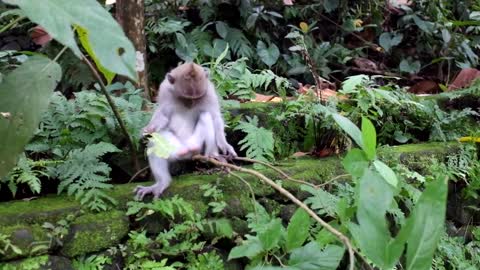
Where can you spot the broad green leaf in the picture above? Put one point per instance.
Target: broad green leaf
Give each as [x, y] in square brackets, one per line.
[113, 49]
[409, 66]
[325, 237]
[426, 26]
[293, 35]
[84, 40]
[426, 225]
[350, 128]
[260, 267]
[268, 55]
[388, 40]
[311, 257]
[251, 20]
[386, 172]
[24, 95]
[222, 29]
[374, 198]
[352, 82]
[446, 36]
[223, 54]
[180, 38]
[161, 148]
[298, 229]
[249, 248]
[400, 137]
[369, 137]
[271, 235]
[215, 51]
[296, 48]
[330, 5]
[355, 162]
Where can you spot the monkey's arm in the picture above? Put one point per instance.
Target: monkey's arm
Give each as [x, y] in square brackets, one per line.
[220, 138]
[158, 122]
[161, 116]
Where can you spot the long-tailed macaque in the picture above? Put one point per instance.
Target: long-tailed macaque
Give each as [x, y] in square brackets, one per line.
[189, 117]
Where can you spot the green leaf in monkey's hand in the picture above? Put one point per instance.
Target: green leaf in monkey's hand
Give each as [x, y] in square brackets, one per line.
[108, 42]
[161, 148]
[24, 95]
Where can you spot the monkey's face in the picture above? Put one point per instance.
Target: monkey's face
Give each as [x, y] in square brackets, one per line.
[189, 81]
[190, 89]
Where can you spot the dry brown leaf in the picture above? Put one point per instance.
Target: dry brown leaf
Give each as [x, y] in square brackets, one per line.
[276, 99]
[39, 35]
[299, 154]
[262, 98]
[425, 87]
[365, 63]
[464, 78]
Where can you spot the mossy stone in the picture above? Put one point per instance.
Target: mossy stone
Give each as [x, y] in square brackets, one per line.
[94, 232]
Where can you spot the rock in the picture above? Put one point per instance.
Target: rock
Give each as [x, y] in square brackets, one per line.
[94, 232]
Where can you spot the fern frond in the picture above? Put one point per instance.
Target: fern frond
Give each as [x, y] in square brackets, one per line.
[84, 175]
[28, 172]
[239, 43]
[259, 141]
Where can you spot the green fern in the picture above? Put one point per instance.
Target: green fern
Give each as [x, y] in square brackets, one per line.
[239, 43]
[323, 202]
[87, 119]
[234, 78]
[259, 141]
[169, 208]
[84, 175]
[28, 172]
[206, 261]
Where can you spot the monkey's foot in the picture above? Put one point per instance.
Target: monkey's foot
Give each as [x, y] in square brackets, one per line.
[156, 190]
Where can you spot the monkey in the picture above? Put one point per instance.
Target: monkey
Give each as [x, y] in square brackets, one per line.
[188, 116]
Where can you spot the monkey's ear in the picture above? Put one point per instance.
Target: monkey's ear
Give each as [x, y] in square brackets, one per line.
[170, 78]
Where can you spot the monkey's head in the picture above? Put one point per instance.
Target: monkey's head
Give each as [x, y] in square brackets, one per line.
[189, 81]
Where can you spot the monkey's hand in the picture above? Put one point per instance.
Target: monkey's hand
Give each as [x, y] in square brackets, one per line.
[148, 129]
[227, 149]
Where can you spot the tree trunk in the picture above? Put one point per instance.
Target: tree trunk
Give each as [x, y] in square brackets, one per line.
[130, 15]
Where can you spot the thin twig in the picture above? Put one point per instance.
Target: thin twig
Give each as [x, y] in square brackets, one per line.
[331, 180]
[59, 54]
[249, 187]
[115, 112]
[138, 173]
[294, 199]
[12, 23]
[275, 169]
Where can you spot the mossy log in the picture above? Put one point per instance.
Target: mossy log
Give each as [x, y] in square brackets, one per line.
[92, 232]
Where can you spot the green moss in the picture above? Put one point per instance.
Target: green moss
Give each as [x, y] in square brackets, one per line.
[256, 105]
[438, 147]
[30, 264]
[50, 208]
[93, 232]
[26, 238]
[42, 263]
